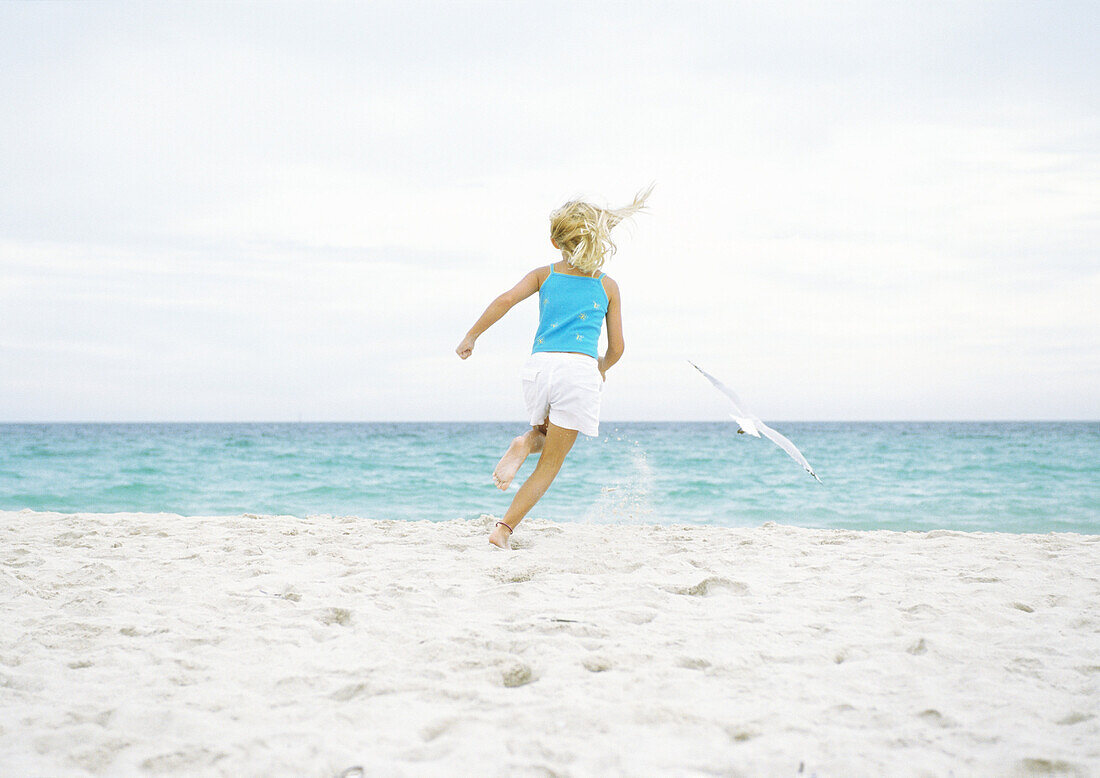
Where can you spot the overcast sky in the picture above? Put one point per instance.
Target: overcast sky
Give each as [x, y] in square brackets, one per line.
[279, 212]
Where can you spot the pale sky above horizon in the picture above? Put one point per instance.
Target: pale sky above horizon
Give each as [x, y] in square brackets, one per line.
[241, 212]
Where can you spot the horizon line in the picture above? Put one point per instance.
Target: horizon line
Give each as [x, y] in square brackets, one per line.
[517, 423]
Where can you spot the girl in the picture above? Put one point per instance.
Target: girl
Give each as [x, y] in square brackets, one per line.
[563, 379]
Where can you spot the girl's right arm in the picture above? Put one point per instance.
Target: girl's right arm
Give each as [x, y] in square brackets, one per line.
[497, 308]
[614, 321]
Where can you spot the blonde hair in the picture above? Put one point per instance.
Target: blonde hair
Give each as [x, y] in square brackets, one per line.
[583, 231]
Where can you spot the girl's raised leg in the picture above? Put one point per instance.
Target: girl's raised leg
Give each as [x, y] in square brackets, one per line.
[517, 453]
[559, 441]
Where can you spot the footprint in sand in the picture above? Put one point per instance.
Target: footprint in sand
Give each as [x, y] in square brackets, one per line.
[518, 674]
[709, 586]
[596, 664]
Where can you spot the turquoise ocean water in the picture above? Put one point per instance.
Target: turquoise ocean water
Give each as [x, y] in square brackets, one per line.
[989, 476]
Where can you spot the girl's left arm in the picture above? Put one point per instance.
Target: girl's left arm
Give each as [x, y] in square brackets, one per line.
[497, 308]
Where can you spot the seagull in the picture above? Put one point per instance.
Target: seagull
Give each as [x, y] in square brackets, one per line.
[746, 422]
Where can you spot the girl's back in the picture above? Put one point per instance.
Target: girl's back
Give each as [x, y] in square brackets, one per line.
[572, 307]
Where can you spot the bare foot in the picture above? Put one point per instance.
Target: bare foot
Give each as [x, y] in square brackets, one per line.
[509, 464]
[500, 537]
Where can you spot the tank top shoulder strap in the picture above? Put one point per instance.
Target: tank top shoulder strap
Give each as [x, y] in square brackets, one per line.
[600, 276]
[551, 270]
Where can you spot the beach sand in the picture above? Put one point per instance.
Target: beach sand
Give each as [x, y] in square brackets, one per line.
[135, 644]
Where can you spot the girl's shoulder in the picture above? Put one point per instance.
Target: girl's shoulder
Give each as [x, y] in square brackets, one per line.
[610, 288]
[542, 272]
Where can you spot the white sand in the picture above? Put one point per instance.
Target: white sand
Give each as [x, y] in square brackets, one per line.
[157, 644]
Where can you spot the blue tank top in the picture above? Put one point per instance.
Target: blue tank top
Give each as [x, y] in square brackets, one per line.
[571, 314]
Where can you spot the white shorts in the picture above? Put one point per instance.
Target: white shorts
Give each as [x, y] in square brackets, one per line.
[564, 387]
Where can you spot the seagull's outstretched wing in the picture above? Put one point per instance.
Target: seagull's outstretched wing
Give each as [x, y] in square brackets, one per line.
[752, 425]
[786, 445]
[745, 419]
[721, 387]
